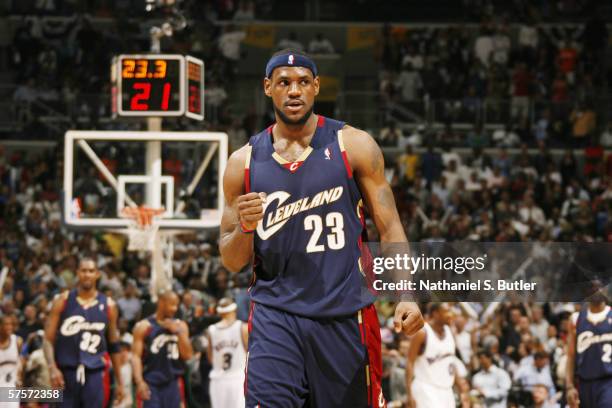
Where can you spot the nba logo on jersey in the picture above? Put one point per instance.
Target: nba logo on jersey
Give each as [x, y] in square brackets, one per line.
[327, 154]
[290, 59]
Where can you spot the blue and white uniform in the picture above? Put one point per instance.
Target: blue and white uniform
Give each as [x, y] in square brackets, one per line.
[314, 335]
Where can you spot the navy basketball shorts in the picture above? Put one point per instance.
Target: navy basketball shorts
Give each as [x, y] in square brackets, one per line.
[595, 393]
[169, 395]
[91, 391]
[295, 361]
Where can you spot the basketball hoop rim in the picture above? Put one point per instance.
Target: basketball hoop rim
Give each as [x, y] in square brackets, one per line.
[142, 217]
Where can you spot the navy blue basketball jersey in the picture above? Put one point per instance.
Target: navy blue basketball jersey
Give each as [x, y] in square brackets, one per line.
[308, 245]
[593, 347]
[81, 338]
[161, 360]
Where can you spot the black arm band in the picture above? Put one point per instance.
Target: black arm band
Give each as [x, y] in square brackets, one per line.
[114, 347]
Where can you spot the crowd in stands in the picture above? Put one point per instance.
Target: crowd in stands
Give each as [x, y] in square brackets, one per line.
[546, 83]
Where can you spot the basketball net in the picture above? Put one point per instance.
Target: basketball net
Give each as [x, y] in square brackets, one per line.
[144, 235]
[142, 230]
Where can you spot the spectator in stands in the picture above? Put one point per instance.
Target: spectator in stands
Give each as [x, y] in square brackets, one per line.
[229, 45]
[583, 121]
[431, 165]
[567, 60]
[528, 41]
[530, 213]
[30, 323]
[491, 382]
[541, 397]
[408, 164]
[390, 135]
[521, 91]
[539, 325]
[505, 137]
[536, 372]
[291, 42]
[483, 46]
[501, 46]
[130, 304]
[245, 11]
[320, 45]
[409, 84]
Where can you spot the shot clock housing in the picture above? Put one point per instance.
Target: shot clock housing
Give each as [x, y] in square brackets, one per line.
[164, 85]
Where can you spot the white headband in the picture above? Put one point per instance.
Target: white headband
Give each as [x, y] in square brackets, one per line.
[227, 309]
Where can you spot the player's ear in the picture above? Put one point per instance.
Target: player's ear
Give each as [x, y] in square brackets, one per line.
[317, 84]
[267, 84]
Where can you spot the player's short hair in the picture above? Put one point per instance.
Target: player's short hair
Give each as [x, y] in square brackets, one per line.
[540, 354]
[486, 353]
[165, 293]
[87, 259]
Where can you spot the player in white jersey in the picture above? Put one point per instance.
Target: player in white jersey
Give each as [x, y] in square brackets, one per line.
[431, 366]
[10, 364]
[227, 345]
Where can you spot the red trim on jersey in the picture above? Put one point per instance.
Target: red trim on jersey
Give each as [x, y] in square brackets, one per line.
[251, 310]
[321, 121]
[270, 128]
[246, 366]
[106, 380]
[373, 345]
[349, 171]
[181, 386]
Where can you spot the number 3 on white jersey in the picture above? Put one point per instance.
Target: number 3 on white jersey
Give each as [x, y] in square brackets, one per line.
[335, 240]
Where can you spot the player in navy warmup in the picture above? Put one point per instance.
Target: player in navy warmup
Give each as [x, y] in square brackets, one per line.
[294, 206]
[81, 331]
[161, 344]
[589, 356]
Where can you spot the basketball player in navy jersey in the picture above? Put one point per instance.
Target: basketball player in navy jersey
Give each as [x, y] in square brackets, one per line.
[589, 356]
[294, 197]
[161, 344]
[81, 331]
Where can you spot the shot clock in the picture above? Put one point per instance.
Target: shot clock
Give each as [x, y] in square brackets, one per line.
[149, 85]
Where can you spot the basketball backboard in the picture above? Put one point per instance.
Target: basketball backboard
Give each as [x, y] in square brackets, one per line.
[106, 171]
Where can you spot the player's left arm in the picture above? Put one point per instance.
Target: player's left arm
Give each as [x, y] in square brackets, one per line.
[184, 344]
[112, 336]
[21, 363]
[573, 398]
[368, 165]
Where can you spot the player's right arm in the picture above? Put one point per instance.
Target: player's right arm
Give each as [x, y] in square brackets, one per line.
[570, 388]
[416, 345]
[140, 332]
[241, 213]
[53, 321]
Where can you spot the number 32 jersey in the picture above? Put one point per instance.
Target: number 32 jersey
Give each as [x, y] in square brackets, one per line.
[81, 338]
[308, 245]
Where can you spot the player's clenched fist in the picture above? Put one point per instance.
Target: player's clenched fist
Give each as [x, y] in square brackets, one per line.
[250, 209]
